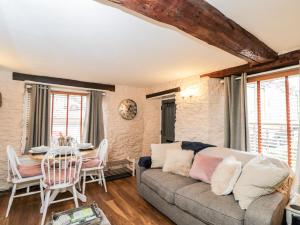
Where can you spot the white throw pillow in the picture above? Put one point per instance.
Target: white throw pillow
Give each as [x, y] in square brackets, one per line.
[178, 162]
[225, 176]
[158, 153]
[259, 177]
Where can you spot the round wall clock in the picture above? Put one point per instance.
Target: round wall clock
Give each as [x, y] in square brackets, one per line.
[128, 109]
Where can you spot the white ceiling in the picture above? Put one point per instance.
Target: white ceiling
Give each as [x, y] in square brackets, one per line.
[91, 41]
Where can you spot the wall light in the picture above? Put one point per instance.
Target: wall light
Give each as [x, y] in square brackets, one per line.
[189, 91]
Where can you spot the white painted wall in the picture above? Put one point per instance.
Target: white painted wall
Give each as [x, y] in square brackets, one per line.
[199, 118]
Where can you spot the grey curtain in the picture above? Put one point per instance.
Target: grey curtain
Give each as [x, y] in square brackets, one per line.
[39, 130]
[94, 128]
[236, 124]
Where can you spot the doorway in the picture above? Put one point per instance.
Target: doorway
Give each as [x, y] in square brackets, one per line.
[168, 118]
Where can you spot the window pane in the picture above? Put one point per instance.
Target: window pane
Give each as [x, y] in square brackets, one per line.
[273, 119]
[252, 116]
[294, 114]
[59, 114]
[75, 117]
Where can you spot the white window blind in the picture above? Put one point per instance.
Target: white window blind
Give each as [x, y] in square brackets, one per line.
[273, 117]
[68, 114]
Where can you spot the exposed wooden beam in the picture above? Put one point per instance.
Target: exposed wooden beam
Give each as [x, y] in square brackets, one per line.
[169, 91]
[284, 60]
[203, 21]
[61, 81]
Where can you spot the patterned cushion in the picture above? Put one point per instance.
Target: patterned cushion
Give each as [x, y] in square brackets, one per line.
[30, 170]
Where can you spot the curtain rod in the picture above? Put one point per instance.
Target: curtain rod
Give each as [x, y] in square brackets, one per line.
[271, 71]
[64, 86]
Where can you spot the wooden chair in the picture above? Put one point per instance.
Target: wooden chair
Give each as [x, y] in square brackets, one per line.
[94, 166]
[22, 176]
[61, 170]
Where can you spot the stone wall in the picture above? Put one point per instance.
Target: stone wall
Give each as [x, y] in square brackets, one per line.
[11, 114]
[125, 137]
[198, 118]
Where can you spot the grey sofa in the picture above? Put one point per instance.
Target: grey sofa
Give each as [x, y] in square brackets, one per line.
[189, 202]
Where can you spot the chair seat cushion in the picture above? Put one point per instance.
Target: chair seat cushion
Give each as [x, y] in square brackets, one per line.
[60, 176]
[30, 170]
[165, 184]
[198, 200]
[91, 163]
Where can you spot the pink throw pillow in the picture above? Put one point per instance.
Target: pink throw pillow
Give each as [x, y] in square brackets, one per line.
[203, 167]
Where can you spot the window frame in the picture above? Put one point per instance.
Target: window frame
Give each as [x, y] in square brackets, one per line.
[275, 75]
[67, 93]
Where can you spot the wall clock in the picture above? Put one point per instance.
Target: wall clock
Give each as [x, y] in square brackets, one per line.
[128, 109]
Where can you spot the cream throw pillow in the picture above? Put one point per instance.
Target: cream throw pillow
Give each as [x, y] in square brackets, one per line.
[259, 177]
[225, 176]
[178, 162]
[158, 153]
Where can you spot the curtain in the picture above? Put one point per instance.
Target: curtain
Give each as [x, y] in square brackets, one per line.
[236, 124]
[39, 130]
[94, 128]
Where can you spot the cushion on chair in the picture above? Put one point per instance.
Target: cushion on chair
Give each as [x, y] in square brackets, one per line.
[30, 170]
[60, 176]
[198, 200]
[91, 163]
[165, 184]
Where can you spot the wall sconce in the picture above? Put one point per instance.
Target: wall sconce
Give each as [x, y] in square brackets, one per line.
[190, 92]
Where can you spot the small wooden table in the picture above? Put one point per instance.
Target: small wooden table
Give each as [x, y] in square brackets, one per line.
[84, 153]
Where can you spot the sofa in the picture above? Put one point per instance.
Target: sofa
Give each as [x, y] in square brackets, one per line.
[190, 202]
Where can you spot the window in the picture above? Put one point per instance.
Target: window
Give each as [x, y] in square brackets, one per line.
[273, 115]
[67, 114]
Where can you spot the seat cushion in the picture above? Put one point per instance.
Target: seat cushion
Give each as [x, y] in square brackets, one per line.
[91, 163]
[165, 184]
[60, 176]
[30, 170]
[198, 200]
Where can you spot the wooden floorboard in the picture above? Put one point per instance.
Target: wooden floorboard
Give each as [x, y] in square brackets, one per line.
[122, 206]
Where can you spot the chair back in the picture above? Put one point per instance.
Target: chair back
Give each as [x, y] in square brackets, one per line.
[13, 163]
[61, 167]
[102, 151]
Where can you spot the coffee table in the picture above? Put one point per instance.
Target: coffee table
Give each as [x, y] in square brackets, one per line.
[97, 213]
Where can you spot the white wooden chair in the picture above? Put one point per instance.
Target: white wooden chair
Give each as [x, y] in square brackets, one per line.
[22, 176]
[61, 170]
[94, 166]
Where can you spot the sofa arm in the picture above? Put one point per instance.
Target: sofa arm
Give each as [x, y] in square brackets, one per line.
[142, 164]
[266, 210]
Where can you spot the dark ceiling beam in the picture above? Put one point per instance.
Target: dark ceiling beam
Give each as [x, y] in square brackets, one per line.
[165, 92]
[62, 81]
[203, 21]
[284, 60]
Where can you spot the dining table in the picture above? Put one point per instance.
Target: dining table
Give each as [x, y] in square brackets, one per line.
[85, 153]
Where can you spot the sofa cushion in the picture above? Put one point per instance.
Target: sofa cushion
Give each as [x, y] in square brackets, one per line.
[195, 146]
[198, 200]
[165, 184]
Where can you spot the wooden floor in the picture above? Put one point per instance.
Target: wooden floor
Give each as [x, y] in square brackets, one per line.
[122, 206]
